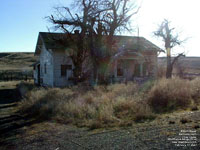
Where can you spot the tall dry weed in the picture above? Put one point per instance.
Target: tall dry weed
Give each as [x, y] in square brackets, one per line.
[96, 107]
[170, 94]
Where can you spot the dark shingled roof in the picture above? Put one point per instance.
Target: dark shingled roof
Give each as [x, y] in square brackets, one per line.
[135, 43]
[58, 41]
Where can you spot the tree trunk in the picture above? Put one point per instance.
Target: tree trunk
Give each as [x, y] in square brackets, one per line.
[169, 68]
[77, 72]
[169, 64]
[95, 73]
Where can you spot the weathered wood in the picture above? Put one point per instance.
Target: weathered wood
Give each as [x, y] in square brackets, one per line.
[46, 59]
[60, 58]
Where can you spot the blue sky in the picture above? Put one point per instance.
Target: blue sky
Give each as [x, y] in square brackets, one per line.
[22, 20]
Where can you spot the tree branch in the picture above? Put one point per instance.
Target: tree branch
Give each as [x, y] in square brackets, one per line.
[177, 57]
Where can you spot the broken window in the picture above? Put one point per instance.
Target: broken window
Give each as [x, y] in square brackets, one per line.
[64, 69]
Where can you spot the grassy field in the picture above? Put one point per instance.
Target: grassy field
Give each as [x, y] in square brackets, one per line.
[189, 64]
[16, 66]
[8, 84]
[17, 61]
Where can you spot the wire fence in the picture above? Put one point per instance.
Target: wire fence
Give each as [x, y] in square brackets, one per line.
[10, 75]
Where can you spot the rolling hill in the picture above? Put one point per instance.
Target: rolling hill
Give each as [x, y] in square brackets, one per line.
[16, 61]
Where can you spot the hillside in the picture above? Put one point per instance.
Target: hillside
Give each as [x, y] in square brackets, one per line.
[190, 64]
[17, 61]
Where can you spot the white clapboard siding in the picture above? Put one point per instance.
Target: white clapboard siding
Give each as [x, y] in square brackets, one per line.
[60, 58]
[46, 58]
[35, 76]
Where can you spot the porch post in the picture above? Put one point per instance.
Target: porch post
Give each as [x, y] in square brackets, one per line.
[115, 69]
[141, 69]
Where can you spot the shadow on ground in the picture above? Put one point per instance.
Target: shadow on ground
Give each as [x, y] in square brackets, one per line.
[11, 122]
[8, 96]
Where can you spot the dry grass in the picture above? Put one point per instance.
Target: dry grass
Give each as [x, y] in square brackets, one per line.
[8, 84]
[195, 85]
[161, 72]
[25, 87]
[102, 106]
[17, 61]
[170, 94]
[112, 105]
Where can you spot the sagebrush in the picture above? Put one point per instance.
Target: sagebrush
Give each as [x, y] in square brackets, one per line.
[111, 105]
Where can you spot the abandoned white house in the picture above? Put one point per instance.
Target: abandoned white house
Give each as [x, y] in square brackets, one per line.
[136, 57]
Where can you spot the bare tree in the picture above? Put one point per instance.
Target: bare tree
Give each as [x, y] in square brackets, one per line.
[171, 39]
[70, 24]
[98, 21]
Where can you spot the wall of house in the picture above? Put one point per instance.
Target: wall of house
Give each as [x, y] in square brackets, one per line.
[46, 59]
[60, 58]
[152, 61]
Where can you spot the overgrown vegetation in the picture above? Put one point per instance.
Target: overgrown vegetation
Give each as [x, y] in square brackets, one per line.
[169, 95]
[112, 105]
[25, 87]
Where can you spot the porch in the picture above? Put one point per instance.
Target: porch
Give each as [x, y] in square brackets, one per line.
[125, 69]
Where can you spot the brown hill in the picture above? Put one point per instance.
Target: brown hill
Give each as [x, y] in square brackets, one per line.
[17, 61]
[189, 64]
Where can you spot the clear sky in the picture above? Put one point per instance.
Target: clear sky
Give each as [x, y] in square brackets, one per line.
[22, 20]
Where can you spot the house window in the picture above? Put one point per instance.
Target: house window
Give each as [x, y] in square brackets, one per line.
[64, 69]
[119, 69]
[45, 68]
